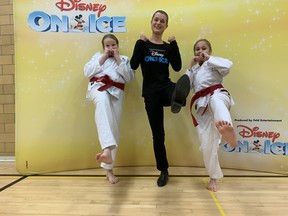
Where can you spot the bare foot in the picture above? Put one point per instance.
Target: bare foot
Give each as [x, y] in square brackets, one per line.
[212, 186]
[111, 178]
[98, 156]
[105, 156]
[227, 131]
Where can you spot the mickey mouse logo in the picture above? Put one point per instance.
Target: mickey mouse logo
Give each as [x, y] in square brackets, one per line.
[79, 23]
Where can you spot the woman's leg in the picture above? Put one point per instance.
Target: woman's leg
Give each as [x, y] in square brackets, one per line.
[155, 113]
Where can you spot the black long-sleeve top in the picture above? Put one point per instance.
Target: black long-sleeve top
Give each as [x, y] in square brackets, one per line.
[154, 60]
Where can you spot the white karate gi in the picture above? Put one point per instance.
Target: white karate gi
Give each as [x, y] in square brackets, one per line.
[211, 73]
[108, 103]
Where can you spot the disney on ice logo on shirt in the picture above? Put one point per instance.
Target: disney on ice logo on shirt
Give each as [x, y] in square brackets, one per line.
[156, 56]
[78, 19]
[257, 141]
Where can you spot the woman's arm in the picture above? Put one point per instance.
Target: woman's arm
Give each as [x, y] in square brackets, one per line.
[175, 57]
[137, 53]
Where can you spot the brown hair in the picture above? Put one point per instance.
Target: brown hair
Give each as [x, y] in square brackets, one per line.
[162, 12]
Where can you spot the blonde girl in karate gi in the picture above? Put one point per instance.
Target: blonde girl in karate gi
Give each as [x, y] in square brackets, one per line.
[212, 103]
[107, 73]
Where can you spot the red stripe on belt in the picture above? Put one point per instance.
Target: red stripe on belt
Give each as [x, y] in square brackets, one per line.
[210, 90]
[108, 83]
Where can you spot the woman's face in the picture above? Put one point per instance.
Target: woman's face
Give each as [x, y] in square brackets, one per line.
[159, 23]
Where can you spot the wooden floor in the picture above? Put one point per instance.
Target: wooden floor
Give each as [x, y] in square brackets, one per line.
[86, 192]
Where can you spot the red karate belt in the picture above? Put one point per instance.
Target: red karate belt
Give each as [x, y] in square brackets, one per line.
[209, 90]
[108, 83]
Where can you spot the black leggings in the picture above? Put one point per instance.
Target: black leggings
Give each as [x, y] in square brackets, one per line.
[154, 105]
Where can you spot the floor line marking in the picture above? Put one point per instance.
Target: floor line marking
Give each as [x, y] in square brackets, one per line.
[219, 207]
[12, 183]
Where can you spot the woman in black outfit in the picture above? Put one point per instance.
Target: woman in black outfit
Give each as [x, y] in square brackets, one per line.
[154, 55]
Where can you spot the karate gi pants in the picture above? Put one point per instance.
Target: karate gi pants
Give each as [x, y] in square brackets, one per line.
[108, 111]
[218, 109]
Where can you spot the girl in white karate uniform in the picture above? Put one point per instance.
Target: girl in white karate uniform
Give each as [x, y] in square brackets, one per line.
[107, 73]
[212, 103]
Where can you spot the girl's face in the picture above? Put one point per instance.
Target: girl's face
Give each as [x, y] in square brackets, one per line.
[159, 23]
[201, 47]
[110, 44]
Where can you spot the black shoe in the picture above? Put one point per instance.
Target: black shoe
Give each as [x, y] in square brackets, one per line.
[163, 179]
[180, 93]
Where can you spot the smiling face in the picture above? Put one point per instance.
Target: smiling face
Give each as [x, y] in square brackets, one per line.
[159, 23]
